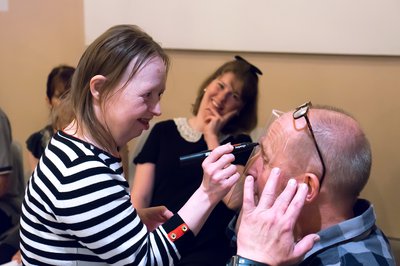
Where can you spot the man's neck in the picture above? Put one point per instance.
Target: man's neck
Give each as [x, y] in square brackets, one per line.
[315, 218]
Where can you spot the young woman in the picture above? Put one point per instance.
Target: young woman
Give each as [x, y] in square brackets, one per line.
[225, 109]
[58, 83]
[77, 207]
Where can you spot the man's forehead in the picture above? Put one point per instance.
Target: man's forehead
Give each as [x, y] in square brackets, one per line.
[281, 131]
[274, 134]
[278, 126]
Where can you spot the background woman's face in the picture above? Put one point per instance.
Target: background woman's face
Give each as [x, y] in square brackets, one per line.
[223, 94]
[57, 94]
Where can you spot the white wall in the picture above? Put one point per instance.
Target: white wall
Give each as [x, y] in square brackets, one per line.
[366, 27]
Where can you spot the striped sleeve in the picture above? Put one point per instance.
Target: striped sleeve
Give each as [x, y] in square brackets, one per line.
[77, 208]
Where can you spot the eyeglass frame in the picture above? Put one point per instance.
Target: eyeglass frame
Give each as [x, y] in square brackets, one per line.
[300, 112]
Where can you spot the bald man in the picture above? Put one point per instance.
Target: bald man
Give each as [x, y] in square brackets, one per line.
[326, 149]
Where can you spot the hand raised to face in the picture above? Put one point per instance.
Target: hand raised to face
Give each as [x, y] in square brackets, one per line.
[266, 231]
[215, 122]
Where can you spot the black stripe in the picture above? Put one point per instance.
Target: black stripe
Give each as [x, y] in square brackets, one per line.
[139, 256]
[101, 218]
[119, 241]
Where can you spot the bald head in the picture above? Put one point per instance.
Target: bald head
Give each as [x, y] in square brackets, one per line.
[345, 148]
[343, 145]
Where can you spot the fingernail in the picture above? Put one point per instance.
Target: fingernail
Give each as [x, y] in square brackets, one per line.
[303, 186]
[276, 171]
[249, 178]
[317, 238]
[292, 182]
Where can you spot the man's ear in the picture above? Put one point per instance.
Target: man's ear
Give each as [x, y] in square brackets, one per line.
[96, 83]
[312, 182]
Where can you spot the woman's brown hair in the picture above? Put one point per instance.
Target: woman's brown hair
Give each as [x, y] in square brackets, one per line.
[109, 55]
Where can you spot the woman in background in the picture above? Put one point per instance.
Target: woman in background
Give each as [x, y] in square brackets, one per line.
[224, 111]
[58, 83]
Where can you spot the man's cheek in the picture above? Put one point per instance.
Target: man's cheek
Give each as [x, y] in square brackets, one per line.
[259, 186]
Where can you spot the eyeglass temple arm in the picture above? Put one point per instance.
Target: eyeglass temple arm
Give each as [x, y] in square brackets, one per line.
[316, 146]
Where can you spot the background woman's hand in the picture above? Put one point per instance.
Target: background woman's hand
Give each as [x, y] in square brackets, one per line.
[214, 123]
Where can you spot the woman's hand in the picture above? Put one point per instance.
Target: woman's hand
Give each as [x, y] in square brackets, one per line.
[219, 174]
[154, 216]
[213, 125]
[218, 178]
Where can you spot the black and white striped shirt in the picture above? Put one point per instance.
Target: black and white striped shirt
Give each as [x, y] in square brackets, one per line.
[77, 211]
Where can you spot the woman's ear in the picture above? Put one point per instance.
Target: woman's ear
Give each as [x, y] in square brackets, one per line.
[96, 83]
[312, 182]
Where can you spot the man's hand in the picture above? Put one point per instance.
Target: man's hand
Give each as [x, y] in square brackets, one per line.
[266, 230]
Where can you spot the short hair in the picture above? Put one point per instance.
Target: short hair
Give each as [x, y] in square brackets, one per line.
[345, 149]
[59, 76]
[109, 55]
[246, 120]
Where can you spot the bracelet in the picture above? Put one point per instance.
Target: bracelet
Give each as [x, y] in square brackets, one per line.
[240, 261]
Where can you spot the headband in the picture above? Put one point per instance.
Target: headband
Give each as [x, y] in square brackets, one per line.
[253, 68]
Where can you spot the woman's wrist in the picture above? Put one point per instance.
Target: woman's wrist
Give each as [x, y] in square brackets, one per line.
[211, 140]
[201, 202]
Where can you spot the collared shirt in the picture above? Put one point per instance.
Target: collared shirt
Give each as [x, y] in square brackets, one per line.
[357, 241]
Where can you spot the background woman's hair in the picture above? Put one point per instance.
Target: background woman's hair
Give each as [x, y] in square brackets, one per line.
[60, 76]
[246, 120]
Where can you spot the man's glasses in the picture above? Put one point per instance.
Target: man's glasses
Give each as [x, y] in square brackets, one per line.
[300, 112]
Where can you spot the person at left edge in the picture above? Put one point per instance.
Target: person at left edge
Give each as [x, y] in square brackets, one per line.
[11, 189]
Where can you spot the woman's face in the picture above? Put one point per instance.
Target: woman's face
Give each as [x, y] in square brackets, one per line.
[222, 95]
[129, 110]
[58, 92]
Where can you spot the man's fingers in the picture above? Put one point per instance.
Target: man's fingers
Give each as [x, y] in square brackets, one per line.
[248, 194]
[268, 194]
[304, 245]
[285, 198]
[297, 203]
